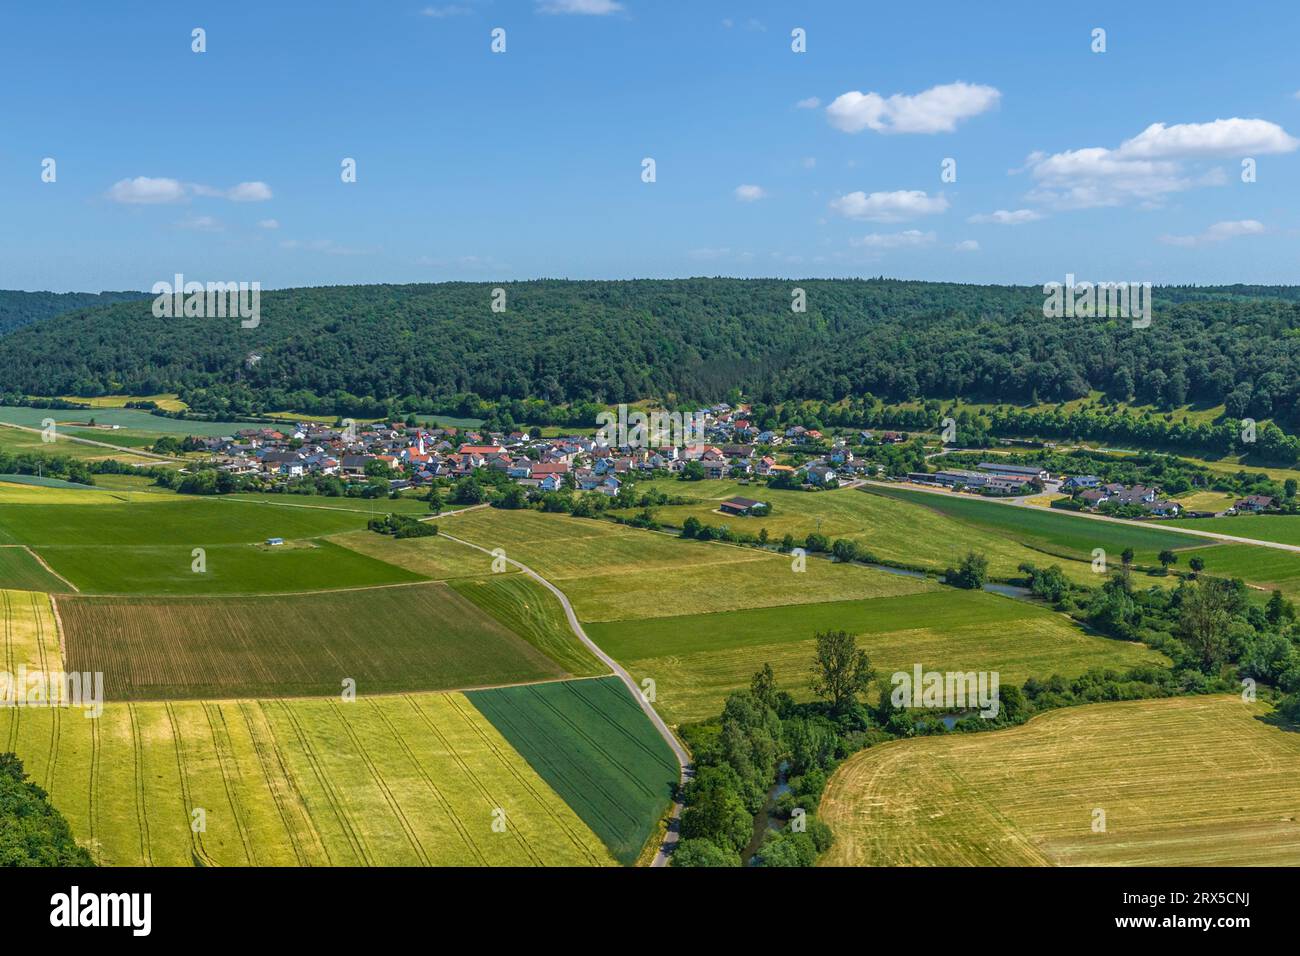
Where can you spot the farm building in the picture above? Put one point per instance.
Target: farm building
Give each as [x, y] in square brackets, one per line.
[742, 506]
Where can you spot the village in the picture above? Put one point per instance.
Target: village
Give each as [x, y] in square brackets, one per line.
[394, 457]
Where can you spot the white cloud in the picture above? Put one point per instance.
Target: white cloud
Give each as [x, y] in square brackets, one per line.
[1006, 217]
[894, 240]
[750, 193]
[147, 190]
[1219, 232]
[150, 190]
[249, 192]
[446, 10]
[967, 245]
[811, 103]
[936, 110]
[597, 8]
[888, 206]
[1148, 167]
[268, 224]
[1223, 137]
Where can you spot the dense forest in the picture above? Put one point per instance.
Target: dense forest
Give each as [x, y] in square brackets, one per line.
[682, 340]
[23, 308]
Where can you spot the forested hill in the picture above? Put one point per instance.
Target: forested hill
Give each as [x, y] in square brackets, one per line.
[23, 308]
[689, 339]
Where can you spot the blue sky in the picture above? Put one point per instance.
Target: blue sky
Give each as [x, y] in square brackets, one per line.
[472, 165]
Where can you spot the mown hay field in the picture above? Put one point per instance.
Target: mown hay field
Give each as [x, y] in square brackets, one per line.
[695, 661]
[406, 780]
[417, 637]
[1187, 781]
[593, 744]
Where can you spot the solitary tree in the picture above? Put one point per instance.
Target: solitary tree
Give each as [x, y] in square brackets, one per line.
[840, 671]
[1203, 620]
[1167, 558]
[1197, 564]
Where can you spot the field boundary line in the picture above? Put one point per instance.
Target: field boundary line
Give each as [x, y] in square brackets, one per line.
[473, 778]
[524, 782]
[43, 563]
[686, 769]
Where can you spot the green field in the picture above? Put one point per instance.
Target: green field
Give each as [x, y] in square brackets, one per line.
[1188, 781]
[611, 572]
[896, 530]
[590, 741]
[409, 780]
[1283, 529]
[1264, 568]
[132, 418]
[698, 659]
[146, 545]
[1061, 534]
[20, 569]
[421, 637]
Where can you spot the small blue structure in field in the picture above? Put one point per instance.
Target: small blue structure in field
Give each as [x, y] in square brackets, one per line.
[274, 541]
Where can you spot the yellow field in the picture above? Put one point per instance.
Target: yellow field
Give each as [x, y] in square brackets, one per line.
[409, 780]
[1189, 781]
[168, 402]
[412, 779]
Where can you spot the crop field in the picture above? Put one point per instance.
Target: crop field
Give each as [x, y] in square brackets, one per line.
[1063, 534]
[420, 637]
[698, 659]
[1283, 529]
[20, 569]
[167, 401]
[406, 780]
[30, 636]
[891, 529]
[1187, 781]
[611, 572]
[526, 608]
[591, 742]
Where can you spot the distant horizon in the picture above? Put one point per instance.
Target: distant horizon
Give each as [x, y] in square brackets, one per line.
[690, 278]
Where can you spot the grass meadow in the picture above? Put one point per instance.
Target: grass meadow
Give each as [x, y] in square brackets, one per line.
[696, 660]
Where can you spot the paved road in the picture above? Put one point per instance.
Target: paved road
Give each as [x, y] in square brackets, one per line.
[1161, 525]
[683, 758]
